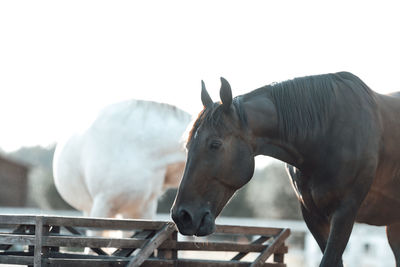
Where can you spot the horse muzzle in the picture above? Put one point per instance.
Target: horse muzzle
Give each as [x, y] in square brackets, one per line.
[200, 223]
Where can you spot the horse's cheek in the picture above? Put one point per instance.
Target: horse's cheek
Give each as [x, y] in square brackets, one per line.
[243, 166]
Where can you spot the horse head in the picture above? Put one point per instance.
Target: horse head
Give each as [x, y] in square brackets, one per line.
[220, 160]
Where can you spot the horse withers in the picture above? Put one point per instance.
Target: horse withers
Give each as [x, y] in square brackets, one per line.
[339, 138]
[123, 161]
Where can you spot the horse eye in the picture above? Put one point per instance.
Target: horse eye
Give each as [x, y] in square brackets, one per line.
[215, 145]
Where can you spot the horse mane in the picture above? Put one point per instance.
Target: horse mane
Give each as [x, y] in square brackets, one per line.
[305, 105]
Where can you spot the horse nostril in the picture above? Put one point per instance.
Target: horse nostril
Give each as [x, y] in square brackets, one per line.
[185, 217]
[205, 217]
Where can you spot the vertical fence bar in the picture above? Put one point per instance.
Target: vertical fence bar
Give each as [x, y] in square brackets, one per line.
[171, 253]
[174, 237]
[148, 248]
[278, 241]
[39, 250]
[31, 249]
[37, 261]
[54, 230]
[279, 257]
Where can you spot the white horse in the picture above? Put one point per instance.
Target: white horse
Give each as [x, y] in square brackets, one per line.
[123, 162]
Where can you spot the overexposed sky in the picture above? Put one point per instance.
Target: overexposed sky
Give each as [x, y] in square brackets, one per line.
[61, 61]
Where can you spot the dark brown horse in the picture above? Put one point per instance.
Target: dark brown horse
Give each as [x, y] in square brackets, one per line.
[340, 139]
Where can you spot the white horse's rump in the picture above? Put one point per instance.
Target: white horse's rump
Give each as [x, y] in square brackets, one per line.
[123, 161]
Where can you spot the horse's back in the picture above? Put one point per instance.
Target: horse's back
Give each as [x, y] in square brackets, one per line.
[130, 142]
[135, 130]
[134, 122]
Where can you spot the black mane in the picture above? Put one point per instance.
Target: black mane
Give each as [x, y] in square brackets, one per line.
[306, 104]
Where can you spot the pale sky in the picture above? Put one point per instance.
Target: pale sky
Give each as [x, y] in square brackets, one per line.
[61, 61]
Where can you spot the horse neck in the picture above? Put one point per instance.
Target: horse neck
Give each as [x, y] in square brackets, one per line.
[262, 119]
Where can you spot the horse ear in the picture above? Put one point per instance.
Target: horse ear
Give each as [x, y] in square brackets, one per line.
[205, 97]
[226, 95]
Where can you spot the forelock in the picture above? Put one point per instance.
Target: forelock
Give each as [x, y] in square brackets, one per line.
[212, 117]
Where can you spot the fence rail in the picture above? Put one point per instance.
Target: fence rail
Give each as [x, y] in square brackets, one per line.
[60, 241]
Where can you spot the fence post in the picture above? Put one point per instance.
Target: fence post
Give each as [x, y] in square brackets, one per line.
[148, 248]
[279, 257]
[54, 230]
[172, 253]
[39, 250]
[278, 241]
